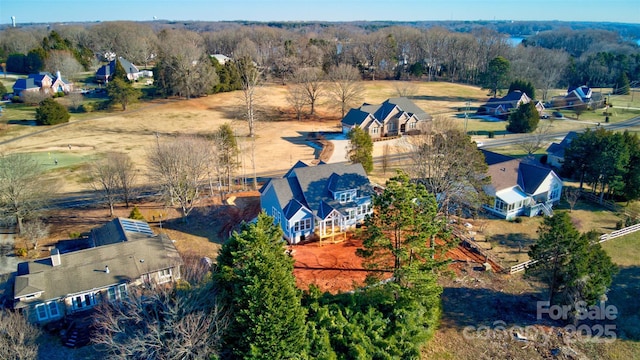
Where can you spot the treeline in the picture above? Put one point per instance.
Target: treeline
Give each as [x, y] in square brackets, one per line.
[550, 59]
[609, 162]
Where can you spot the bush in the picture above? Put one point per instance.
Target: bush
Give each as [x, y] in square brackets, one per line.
[85, 108]
[517, 220]
[51, 113]
[16, 99]
[74, 235]
[491, 134]
[619, 225]
[135, 214]
[21, 252]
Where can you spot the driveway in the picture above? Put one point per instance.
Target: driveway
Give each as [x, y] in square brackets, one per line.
[8, 260]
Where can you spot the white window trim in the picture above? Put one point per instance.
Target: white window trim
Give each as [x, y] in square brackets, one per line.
[47, 307]
[302, 225]
[83, 296]
[164, 276]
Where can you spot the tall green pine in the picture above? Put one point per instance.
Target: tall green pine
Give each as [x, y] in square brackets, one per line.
[361, 150]
[256, 278]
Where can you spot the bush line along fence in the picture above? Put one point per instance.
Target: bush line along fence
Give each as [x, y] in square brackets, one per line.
[615, 234]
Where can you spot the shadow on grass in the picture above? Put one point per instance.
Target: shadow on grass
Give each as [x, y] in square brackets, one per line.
[464, 306]
[516, 241]
[624, 294]
[217, 222]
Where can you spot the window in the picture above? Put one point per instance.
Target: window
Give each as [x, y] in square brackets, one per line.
[47, 310]
[276, 215]
[500, 205]
[346, 196]
[111, 294]
[302, 225]
[122, 289]
[374, 129]
[53, 309]
[41, 310]
[164, 276]
[412, 125]
[83, 301]
[555, 193]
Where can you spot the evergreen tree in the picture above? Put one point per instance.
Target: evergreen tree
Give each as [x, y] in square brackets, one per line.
[496, 75]
[122, 92]
[525, 119]
[51, 112]
[3, 90]
[622, 86]
[227, 150]
[361, 148]
[525, 86]
[631, 180]
[401, 232]
[119, 72]
[256, 278]
[135, 214]
[574, 266]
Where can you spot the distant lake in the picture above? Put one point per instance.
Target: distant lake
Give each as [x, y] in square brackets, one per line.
[515, 40]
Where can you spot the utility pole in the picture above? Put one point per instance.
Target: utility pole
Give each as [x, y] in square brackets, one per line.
[466, 116]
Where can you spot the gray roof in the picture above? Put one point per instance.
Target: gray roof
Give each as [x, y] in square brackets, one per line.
[506, 172]
[311, 187]
[558, 149]
[84, 270]
[120, 230]
[381, 111]
[110, 68]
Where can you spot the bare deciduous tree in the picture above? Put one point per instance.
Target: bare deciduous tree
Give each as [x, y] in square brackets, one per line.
[449, 164]
[75, 100]
[162, 324]
[534, 141]
[24, 192]
[297, 98]
[104, 179]
[63, 61]
[346, 89]
[572, 196]
[251, 78]
[181, 166]
[310, 80]
[18, 338]
[405, 88]
[34, 231]
[126, 174]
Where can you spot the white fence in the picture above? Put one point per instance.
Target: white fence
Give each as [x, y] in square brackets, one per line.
[618, 233]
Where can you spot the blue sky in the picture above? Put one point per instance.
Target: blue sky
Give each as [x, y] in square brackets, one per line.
[627, 11]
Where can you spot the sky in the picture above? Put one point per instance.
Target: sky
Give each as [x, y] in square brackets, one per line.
[47, 11]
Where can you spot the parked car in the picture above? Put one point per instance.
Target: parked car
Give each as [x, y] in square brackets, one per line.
[558, 115]
[544, 116]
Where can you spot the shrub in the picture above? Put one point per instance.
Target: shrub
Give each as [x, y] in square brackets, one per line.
[543, 159]
[21, 252]
[16, 99]
[85, 108]
[491, 134]
[517, 220]
[619, 225]
[51, 113]
[135, 214]
[74, 235]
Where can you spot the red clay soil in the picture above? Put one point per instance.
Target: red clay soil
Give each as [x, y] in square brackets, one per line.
[336, 267]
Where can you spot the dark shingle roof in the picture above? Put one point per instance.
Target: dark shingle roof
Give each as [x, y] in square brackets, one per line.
[381, 111]
[506, 172]
[84, 270]
[531, 176]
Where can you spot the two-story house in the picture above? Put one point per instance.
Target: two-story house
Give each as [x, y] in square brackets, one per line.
[502, 107]
[324, 200]
[395, 116]
[43, 82]
[520, 188]
[120, 255]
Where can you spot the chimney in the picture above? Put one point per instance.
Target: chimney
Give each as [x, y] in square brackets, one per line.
[106, 269]
[58, 74]
[55, 257]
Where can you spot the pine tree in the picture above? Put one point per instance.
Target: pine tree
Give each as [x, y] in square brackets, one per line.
[256, 278]
[135, 214]
[51, 112]
[574, 266]
[525, 119]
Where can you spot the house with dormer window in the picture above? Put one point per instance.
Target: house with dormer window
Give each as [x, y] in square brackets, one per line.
[520, 188]
[395, 116]
[323, 200]
[121, 255]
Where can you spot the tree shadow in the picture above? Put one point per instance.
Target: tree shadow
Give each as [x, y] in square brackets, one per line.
[217, 222]
[624, 294]
[515, 241]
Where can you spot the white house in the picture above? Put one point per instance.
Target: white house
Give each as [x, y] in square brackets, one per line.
[520, 188]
